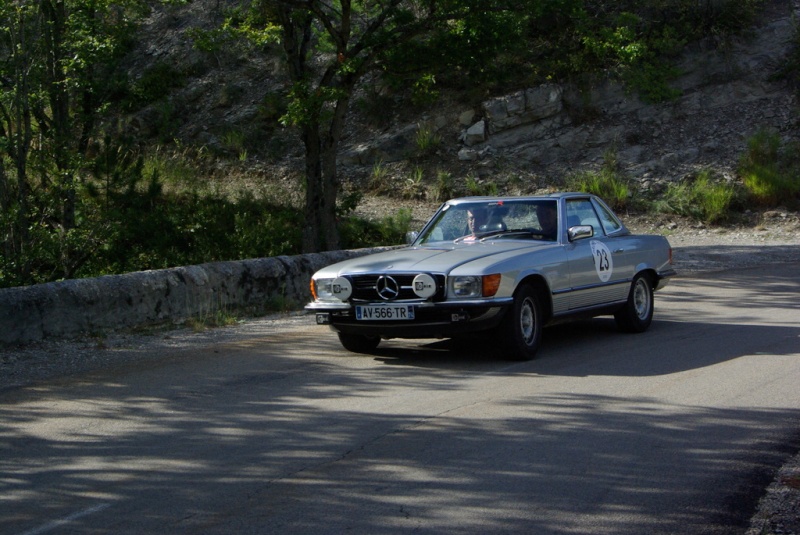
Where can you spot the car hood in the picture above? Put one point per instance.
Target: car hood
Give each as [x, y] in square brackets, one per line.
[427, 258]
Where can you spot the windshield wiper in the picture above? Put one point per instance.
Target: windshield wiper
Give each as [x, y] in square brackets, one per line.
[481, 236]
[512, 232]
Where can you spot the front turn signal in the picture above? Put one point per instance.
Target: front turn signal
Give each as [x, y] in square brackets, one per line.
[491, 283]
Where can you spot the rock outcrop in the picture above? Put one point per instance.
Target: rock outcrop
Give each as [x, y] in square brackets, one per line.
[726, 96]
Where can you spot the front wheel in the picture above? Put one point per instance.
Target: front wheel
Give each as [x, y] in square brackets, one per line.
[637, 314]
[521, 330]
[358, 343]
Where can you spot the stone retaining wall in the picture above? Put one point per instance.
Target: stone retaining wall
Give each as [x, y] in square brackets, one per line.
[145, 298]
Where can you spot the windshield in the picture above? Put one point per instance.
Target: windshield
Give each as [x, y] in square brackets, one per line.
[470, 222]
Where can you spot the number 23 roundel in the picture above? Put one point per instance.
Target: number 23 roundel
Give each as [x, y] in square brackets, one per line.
[603, 263]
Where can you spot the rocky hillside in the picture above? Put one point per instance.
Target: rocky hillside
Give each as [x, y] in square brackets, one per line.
[522, 141]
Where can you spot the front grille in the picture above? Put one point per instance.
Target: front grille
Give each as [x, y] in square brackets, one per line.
[365, 287]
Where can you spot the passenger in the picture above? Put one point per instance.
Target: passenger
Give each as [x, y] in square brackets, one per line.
[548, 220]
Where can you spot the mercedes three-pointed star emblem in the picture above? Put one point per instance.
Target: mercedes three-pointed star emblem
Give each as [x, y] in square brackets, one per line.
[387, 287]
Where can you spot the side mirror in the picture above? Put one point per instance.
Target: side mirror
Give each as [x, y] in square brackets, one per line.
[411, 237]
[580, 232]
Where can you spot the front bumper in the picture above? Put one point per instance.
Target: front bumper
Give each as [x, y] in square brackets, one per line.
[432, 320]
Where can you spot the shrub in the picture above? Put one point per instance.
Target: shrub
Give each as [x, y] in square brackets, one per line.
[414, 186]
[390, 230]
[477, 188]
[175, 170]
[424, 91]
[379, 179]
[193, 228]
[770, 170]
[703, 198]
[607, 183]
[444, 188]
[427, 140]
[234, 141]
[155, 83]
[128, 222]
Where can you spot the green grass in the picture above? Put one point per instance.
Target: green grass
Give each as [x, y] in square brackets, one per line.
[770, 170]
[607, 183]
[702, 198]
[427, 140]
[414, 187]
[444, 187]
[610, 187]
[474, 187]
[379, 178]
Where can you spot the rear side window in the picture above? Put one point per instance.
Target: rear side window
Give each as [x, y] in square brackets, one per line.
[610, 223]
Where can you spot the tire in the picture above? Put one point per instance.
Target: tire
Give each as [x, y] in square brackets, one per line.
[521, 330]
[358, 343]
[637, 314]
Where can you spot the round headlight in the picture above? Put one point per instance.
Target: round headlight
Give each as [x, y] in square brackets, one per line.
[424, 285]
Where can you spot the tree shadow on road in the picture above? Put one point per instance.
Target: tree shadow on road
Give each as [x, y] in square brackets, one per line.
[288, 433]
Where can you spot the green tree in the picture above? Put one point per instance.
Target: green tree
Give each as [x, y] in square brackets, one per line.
[56, 59]
[351, 38]
[16, 128]
[330, 46]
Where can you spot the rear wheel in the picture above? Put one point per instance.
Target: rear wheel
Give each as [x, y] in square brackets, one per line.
[358, 343]
[637, 314]
[521, 330]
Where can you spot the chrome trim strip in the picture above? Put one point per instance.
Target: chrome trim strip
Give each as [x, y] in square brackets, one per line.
[578, 311]
[593, 286]
[327, 306]
[499, 302]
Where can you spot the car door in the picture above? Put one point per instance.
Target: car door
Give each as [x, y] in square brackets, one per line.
[599, 271]
[625, 249]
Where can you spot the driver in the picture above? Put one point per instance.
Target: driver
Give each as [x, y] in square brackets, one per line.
[548, 220]
[476, 217]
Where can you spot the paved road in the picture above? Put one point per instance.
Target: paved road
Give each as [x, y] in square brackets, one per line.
[281, 431]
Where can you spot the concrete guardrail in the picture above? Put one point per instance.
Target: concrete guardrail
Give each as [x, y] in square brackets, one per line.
[80, 306]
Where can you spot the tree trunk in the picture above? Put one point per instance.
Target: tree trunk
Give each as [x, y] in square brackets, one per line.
[329, 163]
[312, 239]
[320, 232]
[322, 181]
[330, 189]
[321, 131]
[19, 135]
[55, 28]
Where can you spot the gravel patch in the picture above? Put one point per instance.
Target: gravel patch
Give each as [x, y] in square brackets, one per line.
[779, 510]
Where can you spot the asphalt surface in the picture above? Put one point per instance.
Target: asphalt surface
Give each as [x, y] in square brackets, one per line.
[278, 430]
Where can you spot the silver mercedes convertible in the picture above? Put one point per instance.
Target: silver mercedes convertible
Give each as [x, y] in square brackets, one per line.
[506, 266]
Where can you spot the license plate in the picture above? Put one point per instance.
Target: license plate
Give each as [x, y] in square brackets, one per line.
[384, 312]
